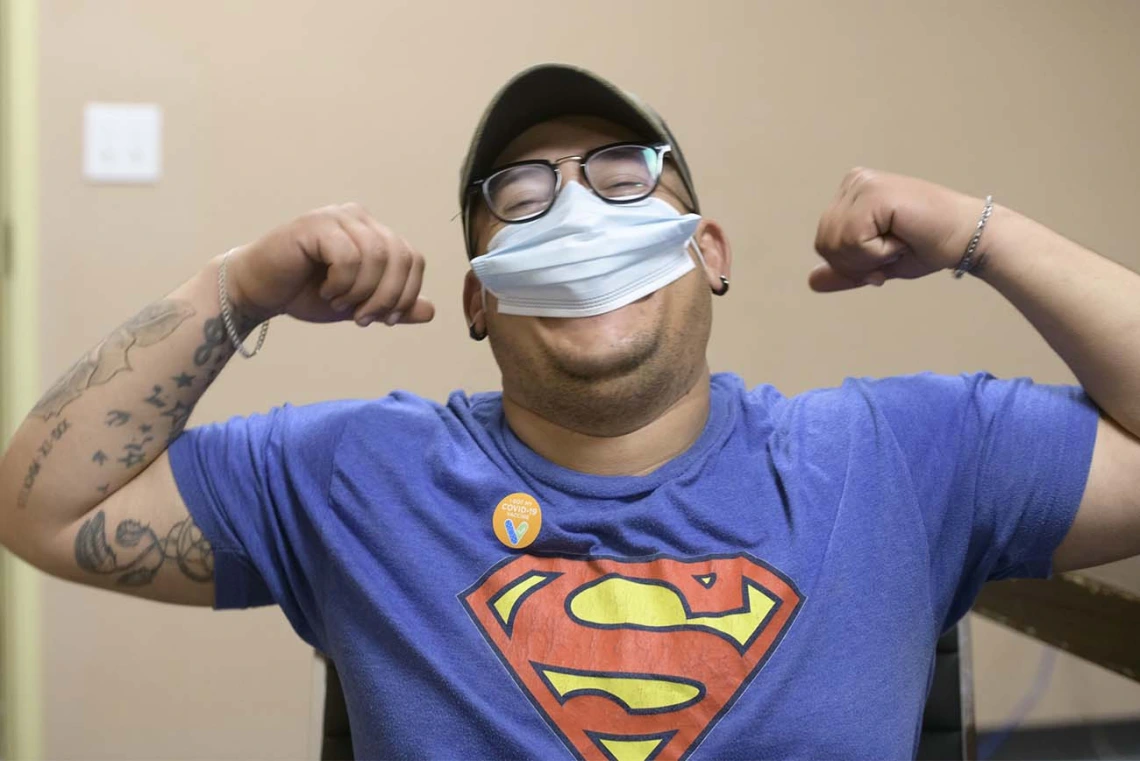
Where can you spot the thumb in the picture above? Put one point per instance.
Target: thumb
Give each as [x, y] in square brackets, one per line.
[877, 257]
[826, 279]
[422, 311]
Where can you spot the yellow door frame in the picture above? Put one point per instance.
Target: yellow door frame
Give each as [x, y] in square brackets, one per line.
[20, 656]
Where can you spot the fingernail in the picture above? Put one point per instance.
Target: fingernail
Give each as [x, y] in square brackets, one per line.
[393, 318]
[365, 321]
[876, 279]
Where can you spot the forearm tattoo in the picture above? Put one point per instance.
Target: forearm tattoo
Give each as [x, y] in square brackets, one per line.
[145, 552]
[38, 462]
[110, 356]
[216, 348]
[161, 412]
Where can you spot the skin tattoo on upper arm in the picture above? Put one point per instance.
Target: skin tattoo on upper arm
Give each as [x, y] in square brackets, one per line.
[146, 551]
[109, 357]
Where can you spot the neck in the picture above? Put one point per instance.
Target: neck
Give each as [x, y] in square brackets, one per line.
[636, 453]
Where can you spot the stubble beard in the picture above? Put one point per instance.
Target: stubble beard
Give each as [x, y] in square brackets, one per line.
[610, 395]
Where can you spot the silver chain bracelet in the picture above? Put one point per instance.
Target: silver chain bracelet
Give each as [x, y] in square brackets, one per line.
[968, 262]
[228, 317]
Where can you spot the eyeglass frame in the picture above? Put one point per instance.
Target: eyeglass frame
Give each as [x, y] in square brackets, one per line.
[663, 150]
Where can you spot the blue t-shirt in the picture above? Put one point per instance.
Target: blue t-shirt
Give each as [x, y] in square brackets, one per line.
[774, 592]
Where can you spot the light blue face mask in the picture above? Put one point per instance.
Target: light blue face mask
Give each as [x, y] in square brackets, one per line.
[586, 257]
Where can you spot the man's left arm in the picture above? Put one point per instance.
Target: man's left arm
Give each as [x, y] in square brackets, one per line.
[883, 226]
[1088, 309]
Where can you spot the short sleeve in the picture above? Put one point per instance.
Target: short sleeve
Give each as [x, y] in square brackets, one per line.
[258, 489]
[999, 468]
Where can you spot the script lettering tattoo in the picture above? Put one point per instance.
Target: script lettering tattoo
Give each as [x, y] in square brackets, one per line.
[109, 357]
[184, 544]
[99, 458]
[184, 380]
[134, 452]
[179, 415]
[117, 418]
[36, 466]
[155, 398]
[133, 457]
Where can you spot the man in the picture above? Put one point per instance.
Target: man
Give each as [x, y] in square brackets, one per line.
[618, 556]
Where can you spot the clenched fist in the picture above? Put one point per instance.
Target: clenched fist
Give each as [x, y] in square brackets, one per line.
[332, 264]
[882, 226]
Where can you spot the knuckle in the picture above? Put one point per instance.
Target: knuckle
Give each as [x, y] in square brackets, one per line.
[407, 261]
[343, 250]
[405, 301]
[323, 213]
[309, 221]
[371, 244]
[823, 232]
[398, 257]
[386, 242]
[385, 303]
[861, 175]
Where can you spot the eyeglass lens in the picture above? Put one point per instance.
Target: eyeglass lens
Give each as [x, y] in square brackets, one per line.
[620, 174]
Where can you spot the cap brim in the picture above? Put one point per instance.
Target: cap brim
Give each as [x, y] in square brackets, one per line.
[546, 92]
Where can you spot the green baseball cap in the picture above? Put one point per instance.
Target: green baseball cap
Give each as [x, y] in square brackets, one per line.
[550, 90]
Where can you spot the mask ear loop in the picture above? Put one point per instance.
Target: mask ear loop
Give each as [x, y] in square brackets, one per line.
[723, 280]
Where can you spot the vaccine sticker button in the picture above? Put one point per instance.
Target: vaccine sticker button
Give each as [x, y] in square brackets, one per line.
[517, 520]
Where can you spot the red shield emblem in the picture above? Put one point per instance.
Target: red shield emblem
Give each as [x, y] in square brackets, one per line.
[632, 661]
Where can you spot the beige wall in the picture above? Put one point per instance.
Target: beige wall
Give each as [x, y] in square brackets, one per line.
[276, 106]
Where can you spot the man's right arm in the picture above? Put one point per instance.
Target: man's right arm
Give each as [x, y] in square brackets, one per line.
[86, 489]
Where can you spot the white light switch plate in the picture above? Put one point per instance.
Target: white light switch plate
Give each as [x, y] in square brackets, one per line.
[122, 142]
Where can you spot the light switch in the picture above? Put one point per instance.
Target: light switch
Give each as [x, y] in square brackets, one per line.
[122, 142]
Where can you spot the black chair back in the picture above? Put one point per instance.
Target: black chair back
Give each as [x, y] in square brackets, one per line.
[948, 731]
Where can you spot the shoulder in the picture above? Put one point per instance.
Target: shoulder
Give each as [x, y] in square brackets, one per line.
[404, 420]
[868, 408]
[915, 393]
[326, 423]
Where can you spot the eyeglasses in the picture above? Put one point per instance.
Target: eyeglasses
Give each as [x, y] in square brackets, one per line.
[617, 173]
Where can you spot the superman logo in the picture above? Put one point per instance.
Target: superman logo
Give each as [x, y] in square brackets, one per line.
[632, 661]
